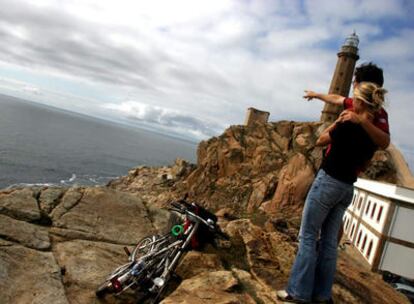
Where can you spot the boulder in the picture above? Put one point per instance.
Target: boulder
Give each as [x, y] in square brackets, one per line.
[196, 262]
[294, 182]
[159, 218]
[208, 287]
[29, 276]
[70, 198]
[86, 264]
[181, 168]
[268, 255]
[303, 138]
[50, 198]
[355, 282]
[29, 235]
[259, 292]
[20, 204]
[106, 215]
[263, 189]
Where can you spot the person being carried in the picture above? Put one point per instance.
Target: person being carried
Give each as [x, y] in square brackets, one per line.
[378, 128]
[313, 271]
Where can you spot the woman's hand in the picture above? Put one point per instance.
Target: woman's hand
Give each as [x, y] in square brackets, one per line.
[353, 117]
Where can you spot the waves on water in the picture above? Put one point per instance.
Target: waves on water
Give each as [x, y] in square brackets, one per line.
[74, 180]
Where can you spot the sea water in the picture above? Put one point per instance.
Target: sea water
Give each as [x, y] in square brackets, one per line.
[45, 145]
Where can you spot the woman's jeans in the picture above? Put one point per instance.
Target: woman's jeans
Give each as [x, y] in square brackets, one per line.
[314, 268]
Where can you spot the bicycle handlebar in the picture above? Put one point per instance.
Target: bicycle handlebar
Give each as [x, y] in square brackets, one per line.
[178, 207]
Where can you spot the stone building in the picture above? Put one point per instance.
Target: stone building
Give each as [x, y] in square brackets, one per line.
[254, 115]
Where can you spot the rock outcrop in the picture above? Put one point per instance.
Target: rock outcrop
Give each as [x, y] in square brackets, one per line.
[58, 244]
[66, 255]
[262, 167]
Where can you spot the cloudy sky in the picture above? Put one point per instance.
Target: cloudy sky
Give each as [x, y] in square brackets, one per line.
[193, 67]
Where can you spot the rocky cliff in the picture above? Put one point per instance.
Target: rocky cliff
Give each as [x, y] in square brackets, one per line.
[263, 168]
[57, 244]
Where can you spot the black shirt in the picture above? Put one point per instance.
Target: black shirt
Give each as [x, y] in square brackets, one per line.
[351, 148]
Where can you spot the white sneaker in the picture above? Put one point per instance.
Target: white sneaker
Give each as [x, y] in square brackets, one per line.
[286, 298]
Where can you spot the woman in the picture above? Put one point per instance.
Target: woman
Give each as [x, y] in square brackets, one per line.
[313, 271]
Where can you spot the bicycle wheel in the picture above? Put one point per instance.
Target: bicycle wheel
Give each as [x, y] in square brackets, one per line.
[159, 295]
[104, 289]
[143, 247]
[162, 271]
[172, 281]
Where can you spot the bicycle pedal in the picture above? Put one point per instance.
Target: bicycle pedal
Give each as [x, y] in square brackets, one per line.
[127, 251]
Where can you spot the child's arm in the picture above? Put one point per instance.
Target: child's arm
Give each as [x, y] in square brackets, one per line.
[328, 98]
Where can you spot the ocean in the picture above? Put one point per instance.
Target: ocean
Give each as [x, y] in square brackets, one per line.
[42, 145]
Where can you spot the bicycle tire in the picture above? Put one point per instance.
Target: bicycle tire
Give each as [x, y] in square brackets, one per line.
[103, 289]
[159, 295]
[143, 247]
[171, 283]
[119, 271]
[106, 286]
[160, 271]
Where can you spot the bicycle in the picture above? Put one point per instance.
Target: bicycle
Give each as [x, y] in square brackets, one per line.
[154, 259]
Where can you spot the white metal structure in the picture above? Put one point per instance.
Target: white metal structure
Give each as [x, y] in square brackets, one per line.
[380, 224]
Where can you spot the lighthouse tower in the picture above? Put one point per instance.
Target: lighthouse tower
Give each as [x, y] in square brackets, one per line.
[342, 78]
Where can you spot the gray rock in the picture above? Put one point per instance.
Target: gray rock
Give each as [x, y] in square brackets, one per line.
[208, 287]
[86, 265]
[68, 201]
[260, 292]
[159, 218]
[20, 204]
[4, 243]
[49, 198]
[29, 276]
[204, 261]
[107, 215]
[26, 234]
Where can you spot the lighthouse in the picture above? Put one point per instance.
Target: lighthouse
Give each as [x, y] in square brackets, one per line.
[342, 77]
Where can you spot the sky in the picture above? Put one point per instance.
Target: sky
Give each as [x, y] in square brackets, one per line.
[191, 68]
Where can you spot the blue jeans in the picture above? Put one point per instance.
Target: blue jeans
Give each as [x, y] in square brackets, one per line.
[314, 268]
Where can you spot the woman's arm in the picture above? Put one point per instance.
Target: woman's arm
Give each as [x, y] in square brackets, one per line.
[325, 137]
[328, 98]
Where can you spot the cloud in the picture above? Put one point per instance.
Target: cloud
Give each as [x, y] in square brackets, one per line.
[32, 90]
[185, 124]
[201, 64]
[322, 11]
[18, 87]
[396, 48]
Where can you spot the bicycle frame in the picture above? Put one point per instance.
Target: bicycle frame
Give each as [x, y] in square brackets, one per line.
[161, 255]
